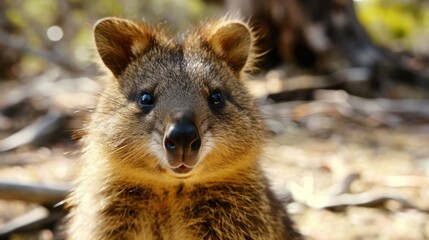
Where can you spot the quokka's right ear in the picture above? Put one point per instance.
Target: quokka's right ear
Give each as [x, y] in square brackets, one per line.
[119, 41]
[232, 41]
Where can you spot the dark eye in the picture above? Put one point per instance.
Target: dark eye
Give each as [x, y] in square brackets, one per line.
[216, 99]
[146, 102]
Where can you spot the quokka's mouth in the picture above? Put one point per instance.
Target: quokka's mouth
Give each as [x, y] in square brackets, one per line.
[182, 169]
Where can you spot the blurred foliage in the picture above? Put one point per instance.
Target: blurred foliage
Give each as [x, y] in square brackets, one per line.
[31, 20]
[398, 24]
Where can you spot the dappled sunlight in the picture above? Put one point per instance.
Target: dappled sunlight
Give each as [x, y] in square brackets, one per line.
[345, 105]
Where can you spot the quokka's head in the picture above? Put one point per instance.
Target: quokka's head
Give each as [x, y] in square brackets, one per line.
[176, 108]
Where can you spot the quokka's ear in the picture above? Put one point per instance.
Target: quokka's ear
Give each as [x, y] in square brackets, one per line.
[232, 42]
[119, 41]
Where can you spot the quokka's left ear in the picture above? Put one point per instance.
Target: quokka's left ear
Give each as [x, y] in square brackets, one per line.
[232, 41]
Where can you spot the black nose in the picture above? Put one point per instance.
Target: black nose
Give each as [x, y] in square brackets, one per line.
[182, 136]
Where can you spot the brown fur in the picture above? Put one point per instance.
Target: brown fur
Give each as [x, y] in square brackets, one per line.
[126, 190]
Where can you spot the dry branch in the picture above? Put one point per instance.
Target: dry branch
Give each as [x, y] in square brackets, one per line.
[338, 103]
[365, 199]
[342, 186]
[381, 111]
[37, 193]
[35, 220]
[374, 106]
[35, 133]
[304, 87]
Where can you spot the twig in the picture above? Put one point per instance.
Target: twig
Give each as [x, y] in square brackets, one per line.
[378, 111]
[35, 220]
[304, 87]
[365, 199]
[338, 103]
[34, 133]
[342, 186]
[36, 193]
[374, 106]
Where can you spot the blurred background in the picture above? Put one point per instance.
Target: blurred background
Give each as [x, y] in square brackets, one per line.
[343, 89]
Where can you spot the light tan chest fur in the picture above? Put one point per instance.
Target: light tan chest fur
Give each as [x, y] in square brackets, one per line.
[210, 211]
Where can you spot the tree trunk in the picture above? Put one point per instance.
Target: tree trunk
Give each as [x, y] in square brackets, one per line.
[324, 35]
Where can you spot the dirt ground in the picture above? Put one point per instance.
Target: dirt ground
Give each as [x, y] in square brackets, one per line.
[386, 162]
[342, 179]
